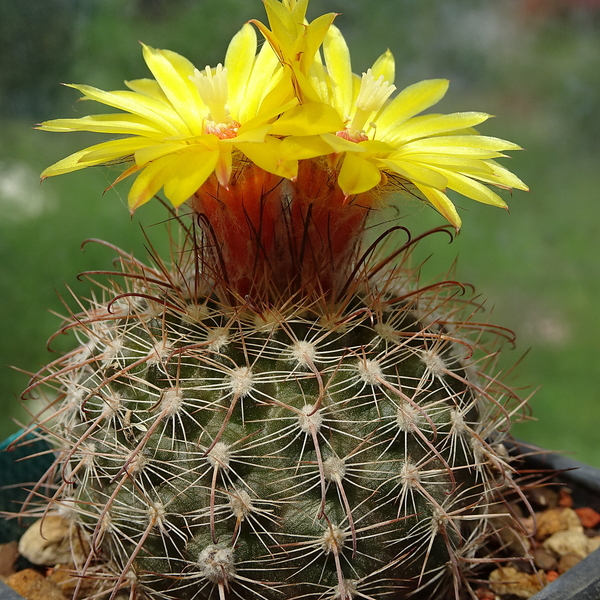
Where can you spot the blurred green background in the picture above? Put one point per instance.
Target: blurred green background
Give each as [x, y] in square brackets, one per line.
[533, 63]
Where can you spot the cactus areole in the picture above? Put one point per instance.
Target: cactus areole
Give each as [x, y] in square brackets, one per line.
[281, 410]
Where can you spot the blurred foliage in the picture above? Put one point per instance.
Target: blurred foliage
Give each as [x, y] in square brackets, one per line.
[534, 64]
[38, 41]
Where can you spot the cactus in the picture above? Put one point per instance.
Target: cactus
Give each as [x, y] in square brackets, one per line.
[282, 410]
[319, 449]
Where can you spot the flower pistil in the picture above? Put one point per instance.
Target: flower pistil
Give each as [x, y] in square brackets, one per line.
[213, 89]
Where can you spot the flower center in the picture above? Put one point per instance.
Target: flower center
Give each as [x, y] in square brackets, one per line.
[223, 131]
[212, 87]
[353, 135]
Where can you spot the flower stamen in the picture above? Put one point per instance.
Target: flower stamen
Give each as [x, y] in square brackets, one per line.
[224, 131]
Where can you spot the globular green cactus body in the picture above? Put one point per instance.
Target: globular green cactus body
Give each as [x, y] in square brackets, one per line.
[316, 450]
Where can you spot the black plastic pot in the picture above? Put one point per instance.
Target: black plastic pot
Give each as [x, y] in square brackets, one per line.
[582, 582]
[7, 593]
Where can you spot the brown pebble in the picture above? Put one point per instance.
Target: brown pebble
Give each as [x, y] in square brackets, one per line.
[553, 520]
[564, 498]
[544, 559]
[33, 586]
[509, 581]
[8, 557]
[571, 541]
[567, 561]
[588, 516]
[484, 594]
[64, 577]
[50, 541]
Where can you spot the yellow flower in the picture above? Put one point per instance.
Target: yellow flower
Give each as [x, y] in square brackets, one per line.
[383, 139]
[228, 138]
[295, 41]
[185, 124]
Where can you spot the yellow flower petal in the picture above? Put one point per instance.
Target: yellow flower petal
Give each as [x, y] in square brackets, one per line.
[503, 177]
[172, 71]
[385, 66]
[473, 189]
[177, 139]
[284, 28]
[295, 43]
[239, 62]
[254, 134]
[298, 9]
[442, 204]
[315, 34]
[156, 151]
[319, 80]
[474, 146]
[428, 125]
[268, 157]
[279, 96]
[339, 144]
[266, 115]
[266, 74]
[144, 106]
[126, 173]
[96, 155]
[180, 174]
[147, 184]
[308, 119]
[187, 172]
[67, 165]
[376, 148]
[417, 173]
[147, 87]
[114, 150]
[337, 57]
[411, 101]
[120, 124]
[460, 164]
[303, 147]
[358, 175]
[303, 85]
